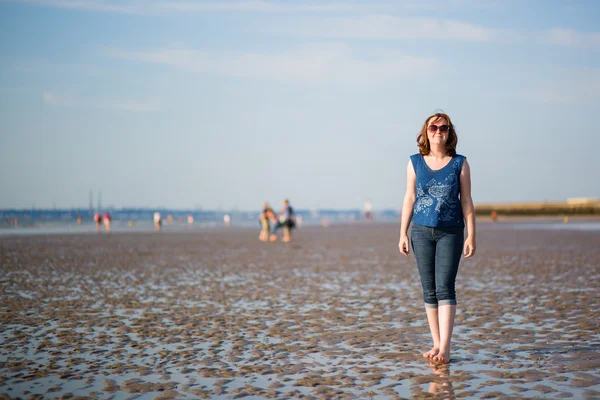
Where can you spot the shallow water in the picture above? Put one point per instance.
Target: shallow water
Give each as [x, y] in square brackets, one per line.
[58, 228]
[337, 313]
[591, 226]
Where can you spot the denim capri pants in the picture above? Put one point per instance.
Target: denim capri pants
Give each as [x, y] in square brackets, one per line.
[437, 251]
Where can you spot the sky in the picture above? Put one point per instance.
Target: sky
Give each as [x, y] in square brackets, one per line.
[225, 104]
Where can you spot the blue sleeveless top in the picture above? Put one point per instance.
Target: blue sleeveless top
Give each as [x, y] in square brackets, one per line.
[438, 193]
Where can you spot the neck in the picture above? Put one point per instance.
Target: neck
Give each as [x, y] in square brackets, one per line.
[438, 152]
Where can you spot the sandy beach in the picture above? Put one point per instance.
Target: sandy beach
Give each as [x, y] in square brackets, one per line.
[337, 313]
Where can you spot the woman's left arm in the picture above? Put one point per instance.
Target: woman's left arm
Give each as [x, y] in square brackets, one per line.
[466, 202]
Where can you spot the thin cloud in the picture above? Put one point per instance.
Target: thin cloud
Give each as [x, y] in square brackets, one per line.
[150, 7]
[390, 28]
[182, 58]
[258, 6]
[571, 38]
[56, 100]
[319, 64]
[147, 7]
[382, 21]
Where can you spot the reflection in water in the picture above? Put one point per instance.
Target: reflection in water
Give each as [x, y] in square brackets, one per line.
[441, 384]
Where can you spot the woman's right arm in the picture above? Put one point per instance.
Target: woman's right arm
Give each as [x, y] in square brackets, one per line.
[407, 208]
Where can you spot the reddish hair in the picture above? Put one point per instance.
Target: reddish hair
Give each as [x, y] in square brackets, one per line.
[423, 141]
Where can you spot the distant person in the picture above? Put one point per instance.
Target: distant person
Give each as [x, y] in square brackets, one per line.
[437, 202]
[494, 216]
[107, 219]
[170, 219]
[98, 221]
[78, 219]
[157, 221]
[266, 218]
[285, 219]
[227, 220]
[368, 208]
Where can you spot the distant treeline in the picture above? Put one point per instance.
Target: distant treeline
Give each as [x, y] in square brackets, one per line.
[545, 208]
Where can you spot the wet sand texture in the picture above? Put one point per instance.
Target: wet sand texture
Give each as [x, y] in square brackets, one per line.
[335, 314]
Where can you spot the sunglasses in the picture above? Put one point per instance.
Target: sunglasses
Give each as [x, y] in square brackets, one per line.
[434, 128]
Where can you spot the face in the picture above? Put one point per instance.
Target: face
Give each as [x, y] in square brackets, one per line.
[437, 131]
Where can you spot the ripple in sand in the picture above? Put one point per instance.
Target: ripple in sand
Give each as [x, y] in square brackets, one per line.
[217, 315]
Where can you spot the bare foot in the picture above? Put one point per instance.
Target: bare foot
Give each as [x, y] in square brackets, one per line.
[431, 353]
[285, 239]
[273, 238]
[442, 357]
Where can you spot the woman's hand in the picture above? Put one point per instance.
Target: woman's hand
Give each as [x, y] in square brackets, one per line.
[469, 248]
[403, 245]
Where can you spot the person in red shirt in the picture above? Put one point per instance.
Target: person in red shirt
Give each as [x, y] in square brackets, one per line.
[107, 220]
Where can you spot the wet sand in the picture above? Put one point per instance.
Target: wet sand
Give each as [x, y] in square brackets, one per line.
[337, 313]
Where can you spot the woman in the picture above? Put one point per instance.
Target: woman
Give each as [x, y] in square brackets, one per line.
[266, 217]
[438, 202]
[107, 219]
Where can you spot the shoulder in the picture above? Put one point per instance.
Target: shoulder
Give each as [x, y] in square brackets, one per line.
[460, 159]
[414, 163]
[458, 163]
[465, 168]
